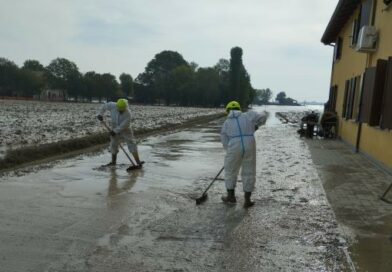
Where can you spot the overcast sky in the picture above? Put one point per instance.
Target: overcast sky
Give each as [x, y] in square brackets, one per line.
[280, 39]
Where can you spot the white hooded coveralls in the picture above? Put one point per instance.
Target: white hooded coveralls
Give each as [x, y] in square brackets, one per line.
[238, 140]
[121, 125]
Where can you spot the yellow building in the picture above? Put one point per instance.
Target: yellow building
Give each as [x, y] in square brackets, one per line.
[361, 80]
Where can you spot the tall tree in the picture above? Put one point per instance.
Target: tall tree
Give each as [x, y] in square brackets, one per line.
[9, 73]
[223, 69]
[207, 87]
[156, 74]
[62, 75]
[33, 65]
[182, 79]
[262, 96]
[240, 87]
[126, 83]
[110, 86]
[281, 98]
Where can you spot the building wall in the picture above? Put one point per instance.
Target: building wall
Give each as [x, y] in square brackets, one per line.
[375, 142]
[383, 23]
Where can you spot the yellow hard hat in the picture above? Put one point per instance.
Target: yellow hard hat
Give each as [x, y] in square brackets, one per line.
[122, 104]
[233, 105]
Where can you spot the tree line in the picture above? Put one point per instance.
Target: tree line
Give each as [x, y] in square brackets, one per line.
[264, 96]
[167, 79]
[61, 74]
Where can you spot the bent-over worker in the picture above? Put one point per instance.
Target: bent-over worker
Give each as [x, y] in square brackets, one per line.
[121, 130]
[239, 142]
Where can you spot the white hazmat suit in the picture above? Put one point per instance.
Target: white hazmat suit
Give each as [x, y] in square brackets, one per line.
[121, 125]
[238, 140]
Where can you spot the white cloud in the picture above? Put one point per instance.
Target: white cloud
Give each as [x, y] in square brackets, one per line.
[280, 40]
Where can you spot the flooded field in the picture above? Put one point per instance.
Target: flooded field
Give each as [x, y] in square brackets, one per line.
[74, 215]
[29, 123]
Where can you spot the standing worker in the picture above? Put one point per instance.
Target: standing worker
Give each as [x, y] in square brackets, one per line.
[121, 130]
[239, 142]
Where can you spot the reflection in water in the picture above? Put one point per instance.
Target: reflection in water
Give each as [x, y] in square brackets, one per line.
[116, 189]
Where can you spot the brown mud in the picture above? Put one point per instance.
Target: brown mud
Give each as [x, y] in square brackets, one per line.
[41, 153]
[76, 216]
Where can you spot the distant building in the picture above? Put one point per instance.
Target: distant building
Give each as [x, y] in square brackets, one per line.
[52, 95]
[361, 81]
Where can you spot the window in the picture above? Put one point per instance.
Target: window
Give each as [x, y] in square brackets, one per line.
[373, 89]
[355, 33]
[365, 18]
[386, 112]
[337, 54]
[351, 94]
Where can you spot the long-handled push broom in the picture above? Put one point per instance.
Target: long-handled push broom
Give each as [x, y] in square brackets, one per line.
[122, 148]
[204, 195]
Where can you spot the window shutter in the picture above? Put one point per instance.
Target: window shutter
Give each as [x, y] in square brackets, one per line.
[373, 89]
[346, 90]
[351, 98]
[338, 49]
[334, 97]
[386, 112]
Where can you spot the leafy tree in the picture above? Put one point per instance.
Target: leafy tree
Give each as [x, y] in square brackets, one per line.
[8, 77]
[194, 65]
[281, 98]
[182, 79]
[33, 65]
[92, 86]
[262, 96]
[207, 93]
[126, 83]
[30, 83]
[240, 87]
[156, 74]
[223, 69]
[110, 86]
[62, 74]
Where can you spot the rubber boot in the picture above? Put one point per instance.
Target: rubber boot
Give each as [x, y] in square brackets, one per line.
[248, 203]
[114, 160]
[230, 198]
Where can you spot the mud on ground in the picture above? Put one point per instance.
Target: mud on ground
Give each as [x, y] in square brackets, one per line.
[76, 216]
[31, 123]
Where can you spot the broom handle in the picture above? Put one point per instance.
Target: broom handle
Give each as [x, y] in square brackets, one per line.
[122, 148]
[209, 186]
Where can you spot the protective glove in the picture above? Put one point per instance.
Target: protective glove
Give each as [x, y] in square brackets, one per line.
[100, 118]
[112, 133]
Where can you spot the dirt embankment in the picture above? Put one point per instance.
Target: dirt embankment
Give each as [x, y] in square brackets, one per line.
[31, 154]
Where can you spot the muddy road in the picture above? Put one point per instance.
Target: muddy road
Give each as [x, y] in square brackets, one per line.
[74, 215]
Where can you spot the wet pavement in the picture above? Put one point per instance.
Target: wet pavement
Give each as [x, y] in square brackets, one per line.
[74, 215]
[354, 185]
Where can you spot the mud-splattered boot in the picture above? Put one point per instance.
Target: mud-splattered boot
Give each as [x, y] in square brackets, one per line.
[248, 203]
[230, 198]
[113, 162]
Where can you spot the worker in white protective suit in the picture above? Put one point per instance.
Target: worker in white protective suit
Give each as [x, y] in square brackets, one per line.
[238, 141]
[121, 130]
